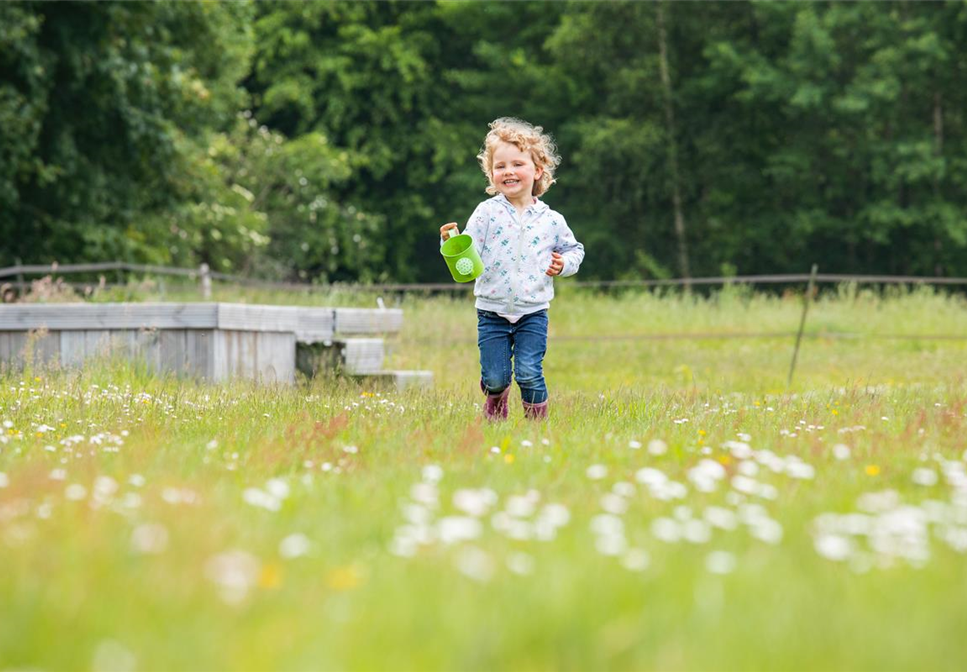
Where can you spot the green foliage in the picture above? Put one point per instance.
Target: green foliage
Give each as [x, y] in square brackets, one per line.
[103, 104]
[829, 132]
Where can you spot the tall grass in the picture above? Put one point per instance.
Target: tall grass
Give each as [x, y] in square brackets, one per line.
[156, 523]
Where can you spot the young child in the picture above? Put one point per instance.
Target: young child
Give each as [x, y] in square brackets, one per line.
[523, 245]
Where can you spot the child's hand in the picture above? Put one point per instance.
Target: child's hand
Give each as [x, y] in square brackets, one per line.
[445, 228]
[557, 264]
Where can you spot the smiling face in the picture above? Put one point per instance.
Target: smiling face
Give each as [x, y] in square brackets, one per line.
[514, 173]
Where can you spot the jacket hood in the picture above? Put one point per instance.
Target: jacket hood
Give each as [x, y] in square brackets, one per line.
[538, 206]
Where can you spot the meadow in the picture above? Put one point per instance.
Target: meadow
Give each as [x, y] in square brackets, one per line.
[683, 508]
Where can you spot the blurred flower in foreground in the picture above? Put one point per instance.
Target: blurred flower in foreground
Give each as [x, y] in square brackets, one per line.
[150, 538]
[234, 572]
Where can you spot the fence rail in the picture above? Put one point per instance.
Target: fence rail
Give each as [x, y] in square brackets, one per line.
[205, 275]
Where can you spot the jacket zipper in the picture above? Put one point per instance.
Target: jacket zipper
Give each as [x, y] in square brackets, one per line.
[520, 240]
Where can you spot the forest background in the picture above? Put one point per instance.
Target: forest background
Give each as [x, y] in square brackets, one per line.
[328, 141]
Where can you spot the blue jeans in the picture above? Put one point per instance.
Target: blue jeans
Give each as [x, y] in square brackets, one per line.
[525, 342]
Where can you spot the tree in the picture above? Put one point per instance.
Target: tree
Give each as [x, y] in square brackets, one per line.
[102, 106]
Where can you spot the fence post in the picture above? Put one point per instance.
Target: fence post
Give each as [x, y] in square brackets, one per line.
[206, 281]
[802, 321]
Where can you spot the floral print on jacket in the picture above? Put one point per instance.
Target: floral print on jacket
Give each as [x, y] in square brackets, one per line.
[516, 253]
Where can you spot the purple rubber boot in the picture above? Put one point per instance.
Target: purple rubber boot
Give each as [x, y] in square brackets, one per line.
[535, 411]
[496, 407]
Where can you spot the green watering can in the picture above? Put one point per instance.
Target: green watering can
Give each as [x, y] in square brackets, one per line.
[461, 257]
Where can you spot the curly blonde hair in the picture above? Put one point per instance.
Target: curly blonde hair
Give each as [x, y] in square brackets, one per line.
[527, 138]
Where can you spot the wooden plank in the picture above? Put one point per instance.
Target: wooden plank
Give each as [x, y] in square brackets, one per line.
[275, 357]
[368, 320]
[316, 325]
[236, 354]
[5, 338]
[242, 317]
[246, 364]
[17, 344]
[199, 347]
[147, 348]
[172, 354]
[72, 348]
[220, 355]
[97, 343]
[110, 316]
[361, 355]
[46, 347]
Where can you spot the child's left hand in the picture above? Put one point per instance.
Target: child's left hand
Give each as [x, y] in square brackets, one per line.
[557, 264]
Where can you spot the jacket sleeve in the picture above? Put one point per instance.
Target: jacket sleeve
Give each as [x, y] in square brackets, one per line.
[571, 250]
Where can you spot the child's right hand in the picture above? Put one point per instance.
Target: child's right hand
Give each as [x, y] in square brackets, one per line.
[445, 228]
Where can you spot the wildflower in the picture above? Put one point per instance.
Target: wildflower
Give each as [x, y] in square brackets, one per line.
[696, 531]
[607, 524]
[767, 530]
[610, 544]
[657, 446]
[114, 656]
[474, 502]
[613, 503]
[432, 473]
[149, 538]
[294, 546]
[650, 477]
[720, 517]
[833, 546]
[75, 492]
[454, 529]
[235, 572]
[520, 563]
[872, 470]
[841, 452]
[596, 472]
[624, 489]
[277, 488]
[261, 499]
[720, 562]
[665, 529]
[636, 560]
[270, 576]
[475, 564]
[522, 507]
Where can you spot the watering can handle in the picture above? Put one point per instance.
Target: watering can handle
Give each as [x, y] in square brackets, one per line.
[452, 232]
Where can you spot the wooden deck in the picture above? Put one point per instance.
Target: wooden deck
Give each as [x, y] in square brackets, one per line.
[211, 341]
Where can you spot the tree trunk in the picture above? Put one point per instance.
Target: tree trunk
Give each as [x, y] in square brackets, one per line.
[938, 151]
[672, 146]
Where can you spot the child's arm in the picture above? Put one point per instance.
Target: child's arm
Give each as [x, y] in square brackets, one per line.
[567, 251]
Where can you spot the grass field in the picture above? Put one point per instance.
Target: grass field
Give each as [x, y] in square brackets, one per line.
[682, 509]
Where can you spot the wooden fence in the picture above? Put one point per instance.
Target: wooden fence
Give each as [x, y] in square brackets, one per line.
[204, 276]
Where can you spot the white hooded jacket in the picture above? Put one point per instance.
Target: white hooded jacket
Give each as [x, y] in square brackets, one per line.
[516, 253]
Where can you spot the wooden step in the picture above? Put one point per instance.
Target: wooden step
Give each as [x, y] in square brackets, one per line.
[352, 356]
